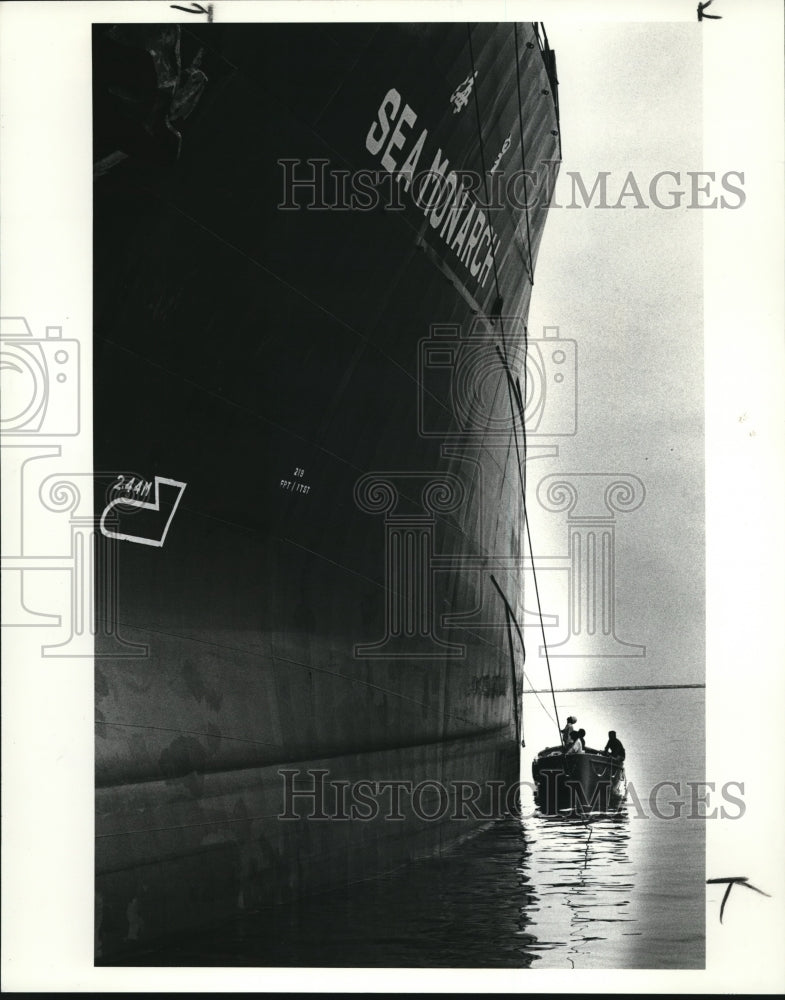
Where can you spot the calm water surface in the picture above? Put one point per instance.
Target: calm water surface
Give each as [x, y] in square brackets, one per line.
[618, 890]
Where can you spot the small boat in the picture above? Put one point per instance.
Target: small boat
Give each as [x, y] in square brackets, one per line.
[578, 782]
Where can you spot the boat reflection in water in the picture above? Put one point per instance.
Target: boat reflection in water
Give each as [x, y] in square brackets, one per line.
[581, 874]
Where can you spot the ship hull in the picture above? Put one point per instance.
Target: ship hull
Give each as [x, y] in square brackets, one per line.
[319, 598]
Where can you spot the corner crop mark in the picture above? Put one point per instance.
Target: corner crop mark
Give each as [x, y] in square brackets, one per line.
[197, 8]
[702, 15]
[730, 882]
[124, 503]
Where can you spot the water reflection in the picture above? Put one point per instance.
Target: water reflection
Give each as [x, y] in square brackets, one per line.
[581, 868]
[539, 889]
[617, 890]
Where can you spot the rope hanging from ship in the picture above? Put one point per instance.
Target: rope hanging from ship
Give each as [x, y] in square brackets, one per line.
[513, 389]
[516, 397]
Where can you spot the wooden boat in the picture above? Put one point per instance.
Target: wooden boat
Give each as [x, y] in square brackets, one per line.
[578, 782]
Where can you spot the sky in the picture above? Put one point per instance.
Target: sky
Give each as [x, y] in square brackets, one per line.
[626, 285]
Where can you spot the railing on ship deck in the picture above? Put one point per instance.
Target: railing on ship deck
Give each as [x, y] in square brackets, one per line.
[549, 58]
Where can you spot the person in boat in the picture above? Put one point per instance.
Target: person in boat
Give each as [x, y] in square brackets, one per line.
[567, 732]
[577, 743]
[614, 746]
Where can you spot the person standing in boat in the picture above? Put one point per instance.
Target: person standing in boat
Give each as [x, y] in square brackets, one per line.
[567, 733]
[577, 745]
[614, 747]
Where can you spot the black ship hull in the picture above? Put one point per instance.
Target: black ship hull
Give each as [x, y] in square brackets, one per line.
[318, 600]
